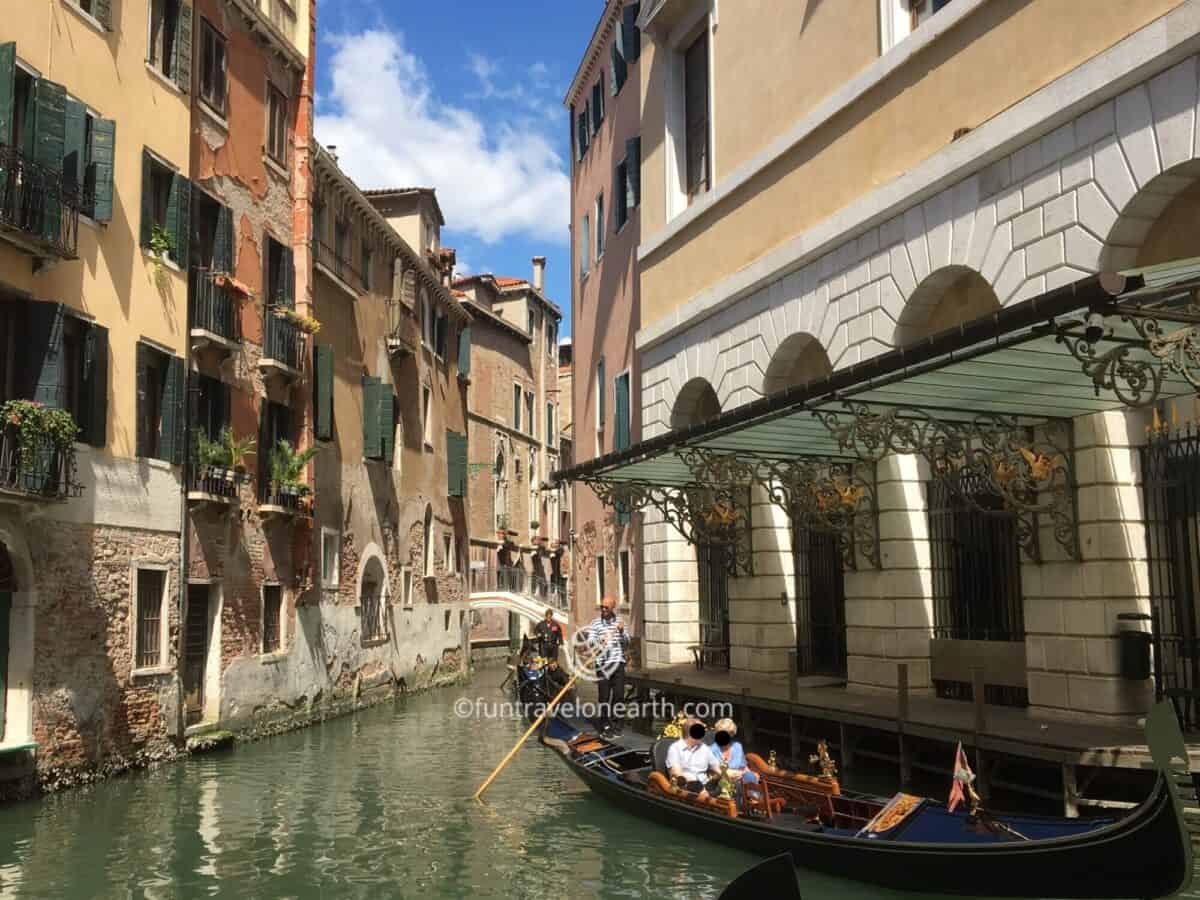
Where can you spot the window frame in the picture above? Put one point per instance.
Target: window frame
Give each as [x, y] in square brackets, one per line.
[585, 243]
[328, 582]
[135, 619]
[406, 587]
[600, 225]
[281, 624]
[168, 58]
[282, 113]
[206, 30]
[531, 413]
[427, 416]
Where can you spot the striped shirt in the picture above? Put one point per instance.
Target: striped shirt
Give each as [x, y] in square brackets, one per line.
[605, 634]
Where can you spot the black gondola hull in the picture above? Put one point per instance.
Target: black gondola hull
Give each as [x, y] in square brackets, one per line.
[1140, 856]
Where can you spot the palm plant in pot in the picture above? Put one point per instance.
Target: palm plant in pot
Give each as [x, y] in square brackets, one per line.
[287, 469]
[224, 458]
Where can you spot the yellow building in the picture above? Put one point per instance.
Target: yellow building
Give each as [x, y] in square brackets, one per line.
[827, 184]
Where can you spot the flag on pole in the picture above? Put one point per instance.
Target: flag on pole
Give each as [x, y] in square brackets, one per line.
[963, 776]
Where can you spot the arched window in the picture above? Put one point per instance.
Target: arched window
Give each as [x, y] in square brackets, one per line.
[501, 481]
[372, 600]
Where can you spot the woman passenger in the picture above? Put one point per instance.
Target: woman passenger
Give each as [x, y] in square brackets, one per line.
[730, 752]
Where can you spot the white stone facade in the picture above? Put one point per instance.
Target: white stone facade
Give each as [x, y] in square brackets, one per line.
[1078, 199]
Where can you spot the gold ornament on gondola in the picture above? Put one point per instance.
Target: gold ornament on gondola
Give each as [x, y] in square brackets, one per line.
[674, 728]
[824, 760]
[771, 759]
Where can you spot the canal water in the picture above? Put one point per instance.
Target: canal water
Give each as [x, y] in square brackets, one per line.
[374, 805]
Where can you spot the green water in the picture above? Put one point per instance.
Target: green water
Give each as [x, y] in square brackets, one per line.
[374, 805]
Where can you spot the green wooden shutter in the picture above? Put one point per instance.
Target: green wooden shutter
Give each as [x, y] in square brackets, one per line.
[147, 198]
[323, 376]
[179, 217]
[8, 89]
[223, 240]
[464, 352]
[633, 171]
[44, 352]
[387, 423]
[289, 277]
[621, 404]
[143, 396]
[102, 12]
[50, 125]
[74, 157]
[600, 391]
[456, 464]
[183, 47]
[95, 387]
[631, 36]
[171, 435]
[100, 155]
[372, 439]
[5, 612]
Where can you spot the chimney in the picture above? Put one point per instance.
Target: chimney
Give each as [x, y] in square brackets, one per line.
[539, 272]
[332, 148]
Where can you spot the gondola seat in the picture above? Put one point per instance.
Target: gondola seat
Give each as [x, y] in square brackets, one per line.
[658, 783]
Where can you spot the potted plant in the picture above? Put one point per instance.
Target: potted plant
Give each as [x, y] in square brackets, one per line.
[287, 469]
[161, 246]
[501, 527]
[307, 324]
[223, 458]
[39, 428]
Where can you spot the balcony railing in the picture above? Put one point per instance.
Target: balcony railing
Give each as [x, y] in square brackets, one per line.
[35, 207]
[328, 258]
[214, 481]
[288, 499]
[515, 580]
[50, 474]
[211, 306]
[282, 340]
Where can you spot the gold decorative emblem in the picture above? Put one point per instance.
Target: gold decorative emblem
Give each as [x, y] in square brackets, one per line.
[771, 759]
[674, 728]
[725, 783]
[824, 760]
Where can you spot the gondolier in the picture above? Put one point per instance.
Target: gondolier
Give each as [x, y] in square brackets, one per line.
[607, 642]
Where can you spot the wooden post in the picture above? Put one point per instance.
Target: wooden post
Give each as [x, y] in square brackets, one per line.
[906, 767]
[847, 747]
[793, 676]
[901, 695]
[978, 690]
[1070, 791]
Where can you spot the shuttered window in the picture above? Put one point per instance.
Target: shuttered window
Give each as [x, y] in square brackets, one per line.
[598, 104]
[277, 119]
[631, 35]
[600, 389]
[212, 232]
[456, 464]
[696, 108]
[387, 423]
[166, 209]
[280, 274]
[621, 404]
[633, 172]
[170, 41]
[60, 360]
[599, 226]
[582, 132]
[323, 402]
[516, 422]
[160, 398]
[213, 403]
[550, 425]
[100, 10]
[212, 67]
[464, 352]
[372, 389]
[585, 246]
[620, 197]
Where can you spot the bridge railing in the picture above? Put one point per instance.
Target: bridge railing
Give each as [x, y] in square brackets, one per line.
[515, 580]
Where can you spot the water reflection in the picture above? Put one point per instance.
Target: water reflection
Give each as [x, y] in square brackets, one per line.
[372, 806]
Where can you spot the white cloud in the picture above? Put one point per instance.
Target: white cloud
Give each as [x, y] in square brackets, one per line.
[494, 179]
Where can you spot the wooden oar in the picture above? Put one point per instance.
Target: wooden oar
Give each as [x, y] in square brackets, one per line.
[520, 741]
[549, 708]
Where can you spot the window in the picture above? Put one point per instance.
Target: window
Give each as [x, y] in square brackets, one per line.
[272, 618]
[550, 417]
[341, 241]
[150, 640]
[902, 17]
[280, 273]
[447, 553]
[621, 411]
[10, 345]
[599, 226]
[620, 195]
[87, 165]
[212, 407]
[551, 337]
[379, 419]
[406, 587]
[277, 124]
[601, 591]
[97, 9]
[598, 104]
[529, 423]
[211, 245]
[427, 545]
[170, 40]
[695, 66]
[366, 266]
[601, 387]
[426, 319]
[516, 422]
[441, 326]
[331, 557]
[456, 464]
[626, 47]
[582, 131]
[427, 416]
[623, 576]
[530, 320]
[585, 247]
[627, 191]
[372, 602]
[160, 399]
[277, 425]
[212, 67]
[166, 210]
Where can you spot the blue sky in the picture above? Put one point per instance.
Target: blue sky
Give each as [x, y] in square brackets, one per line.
[464, 96]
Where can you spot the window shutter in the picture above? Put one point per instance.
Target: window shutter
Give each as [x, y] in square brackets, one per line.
[633, 171]
[50, 126]
[456, 464]
[95, 387]
[183, 47]
[631, 36]
[173, 420]
[615, 75]
[387, 423]
[372, 441]
[8, 85]
[147, 198]
[45, 321]
[143, 396]
[597, 104]
[100, 156]
[289, 277]
[323, 363]
[621, 402]
[464, 352]
[102, 12]
[600, 391]
[74, 157]
[179, 208]
[223, 240]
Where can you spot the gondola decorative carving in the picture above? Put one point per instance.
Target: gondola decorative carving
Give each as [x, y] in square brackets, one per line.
[1029, 467]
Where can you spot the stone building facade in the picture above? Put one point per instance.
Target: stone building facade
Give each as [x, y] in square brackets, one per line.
[513, 440]
[787, 235]
[605, 299]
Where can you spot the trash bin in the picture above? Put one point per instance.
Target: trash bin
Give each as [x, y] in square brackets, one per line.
[1133, 633]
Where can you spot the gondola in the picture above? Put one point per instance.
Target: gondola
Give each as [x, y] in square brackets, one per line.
[905, 841]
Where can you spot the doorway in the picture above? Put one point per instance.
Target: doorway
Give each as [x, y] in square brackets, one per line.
[711, 561]
[196, 641]
[820, 603]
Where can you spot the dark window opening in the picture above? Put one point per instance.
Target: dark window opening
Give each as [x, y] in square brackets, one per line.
[72, 366]
[277, 117]
[160, 179]
[212, 411]
[164, 23]
[22, 112]
[206, 213]
[212, 67]
[276, 273]
[151, 406]
[696, 115]
[149, 617]
[272, 616]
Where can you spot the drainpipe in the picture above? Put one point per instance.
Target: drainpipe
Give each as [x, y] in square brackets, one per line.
[184, 542]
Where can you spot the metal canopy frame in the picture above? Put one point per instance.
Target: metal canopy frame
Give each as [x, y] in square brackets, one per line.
[989, 403]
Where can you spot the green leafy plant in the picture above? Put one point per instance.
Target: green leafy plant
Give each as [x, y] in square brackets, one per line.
[37, 425]
[162, 242]
[227, 452]
[534, 525]
[307, 324]
[287, 466]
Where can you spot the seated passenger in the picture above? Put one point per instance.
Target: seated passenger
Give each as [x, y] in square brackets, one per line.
[691, 763]
[730, 752]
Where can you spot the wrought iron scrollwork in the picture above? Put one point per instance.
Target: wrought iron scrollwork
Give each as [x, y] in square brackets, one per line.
[1028, 467]
[1136, 382]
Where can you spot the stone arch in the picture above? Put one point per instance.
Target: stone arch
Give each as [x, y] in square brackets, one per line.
[373, 591]
[696, 402]
[1159, 223]
[797, 361]
[948, 297]
[16, 571]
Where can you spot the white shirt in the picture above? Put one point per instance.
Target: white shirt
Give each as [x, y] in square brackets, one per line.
[695, 762]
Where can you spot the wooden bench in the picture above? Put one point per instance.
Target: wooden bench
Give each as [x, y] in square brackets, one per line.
[711, 654]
